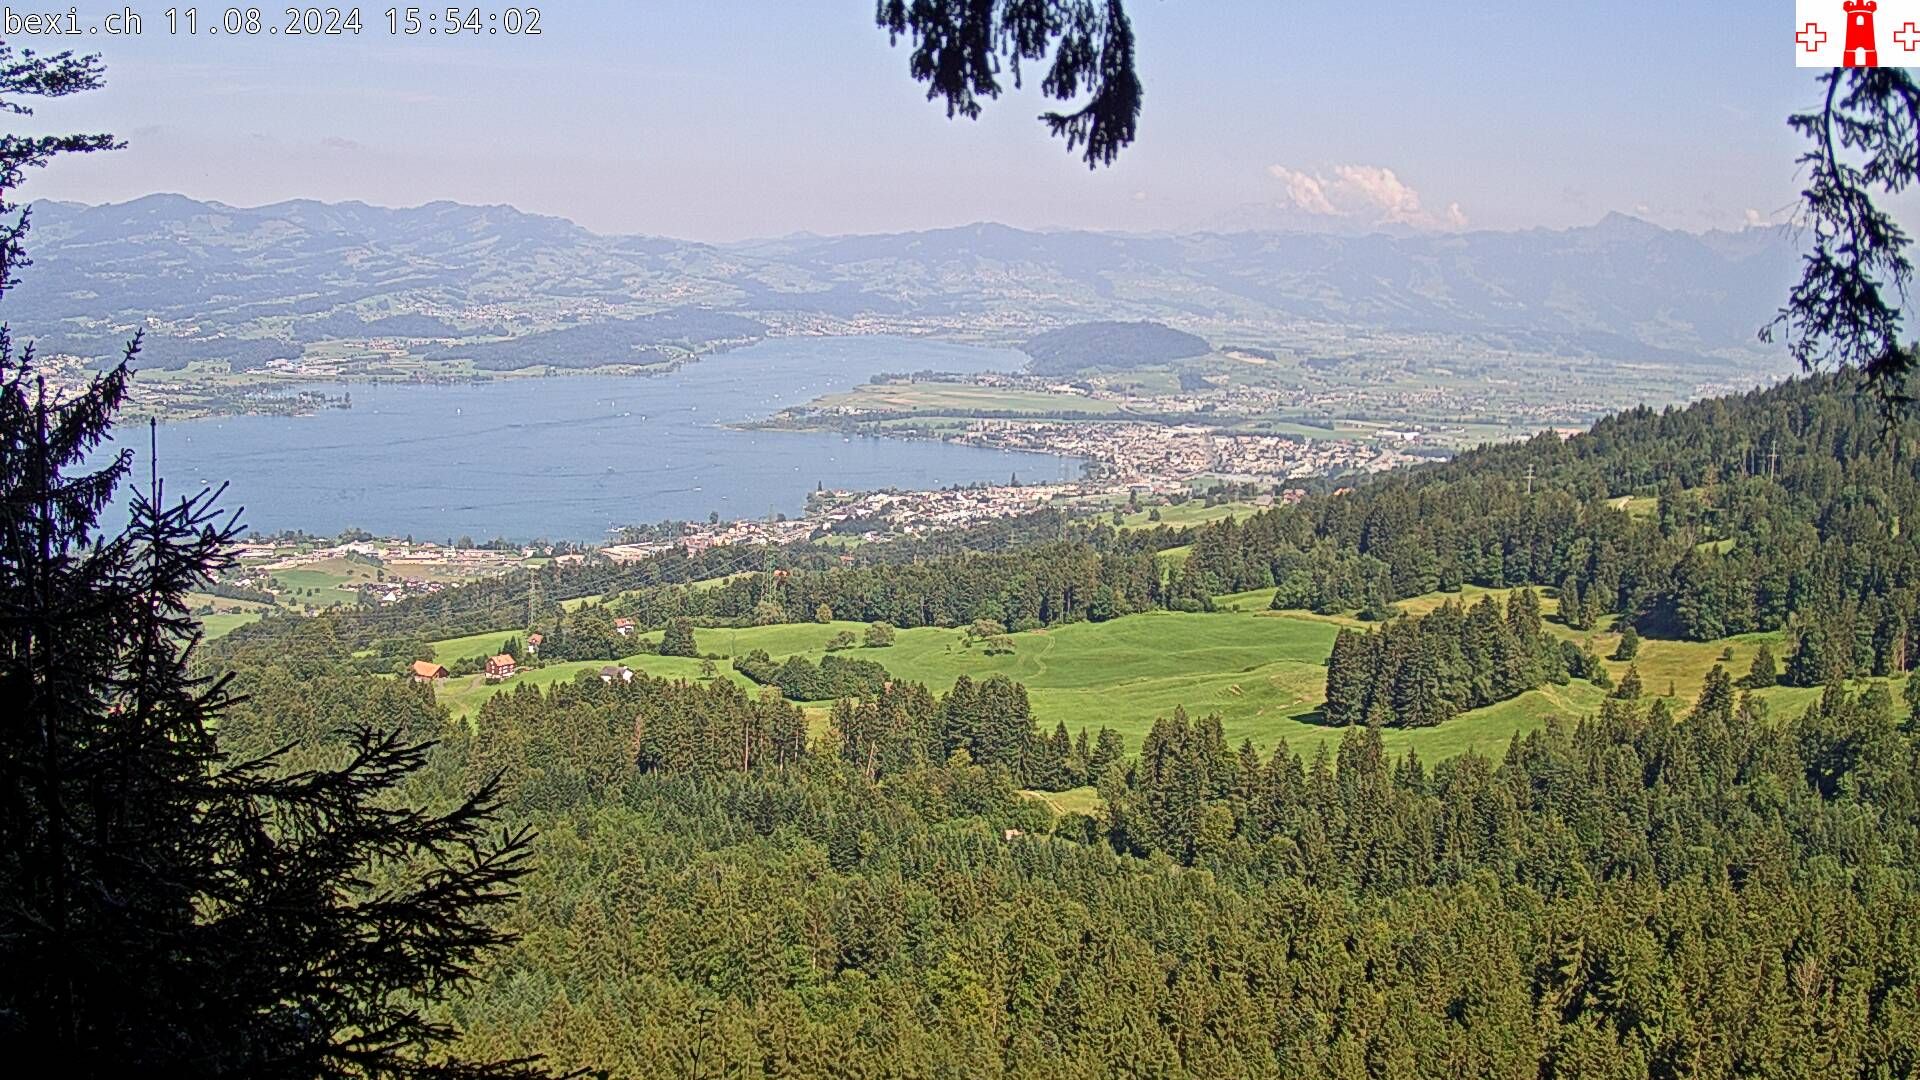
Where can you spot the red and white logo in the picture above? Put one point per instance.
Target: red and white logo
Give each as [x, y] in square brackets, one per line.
[1856, 33]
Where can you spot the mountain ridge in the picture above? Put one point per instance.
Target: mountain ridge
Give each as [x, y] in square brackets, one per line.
[1622, 287]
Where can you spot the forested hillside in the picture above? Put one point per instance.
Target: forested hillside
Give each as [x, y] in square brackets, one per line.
[1782, 508]
[1110, 346]
[732, 885]
[1634, 895]
[1422, 671]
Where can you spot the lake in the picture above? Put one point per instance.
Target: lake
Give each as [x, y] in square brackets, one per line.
[570, 457]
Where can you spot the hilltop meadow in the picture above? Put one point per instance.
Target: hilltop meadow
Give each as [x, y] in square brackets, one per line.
[1262, 672]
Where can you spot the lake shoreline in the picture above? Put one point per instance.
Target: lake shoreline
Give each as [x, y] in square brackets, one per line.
[191, 395]
[579, 458]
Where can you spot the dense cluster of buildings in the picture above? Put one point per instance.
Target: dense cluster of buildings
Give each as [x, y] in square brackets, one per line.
[1150, 455]
[863, 515]
[429, 553]
[915, 512]
[699, 536]
[396, 588]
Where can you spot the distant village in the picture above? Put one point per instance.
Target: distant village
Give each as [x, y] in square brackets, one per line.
[1167, 458]
[869, 517]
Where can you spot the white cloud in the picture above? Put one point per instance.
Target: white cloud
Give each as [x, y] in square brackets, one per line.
[1372, 194]
[1307, 192]
[1379, 188]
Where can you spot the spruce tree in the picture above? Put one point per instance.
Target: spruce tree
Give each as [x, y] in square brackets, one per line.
[1765, 671]
[677, 640]
[1716, 696]
[1418, 696]
[1347, 678]
[164, 910]
[1818, 658]
[1109, 748]
[1630, 687]
[1573, 609]
[1629, 646]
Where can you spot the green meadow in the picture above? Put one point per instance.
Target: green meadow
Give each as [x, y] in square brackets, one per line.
[1080, 800]
[1189, 513]
[463, 696]
[221, 623]
[227, 614]
[447, 650]
[324, 583]
[1262, 671]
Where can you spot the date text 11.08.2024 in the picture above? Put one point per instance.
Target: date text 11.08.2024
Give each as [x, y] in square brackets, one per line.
[334, 22]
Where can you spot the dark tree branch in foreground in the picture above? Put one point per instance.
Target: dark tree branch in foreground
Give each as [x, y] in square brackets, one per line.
[25, 74]
[165, 911]
[1847, 308]
[960, 47]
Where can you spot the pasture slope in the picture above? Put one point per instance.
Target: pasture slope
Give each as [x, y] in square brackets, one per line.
[1262, 671]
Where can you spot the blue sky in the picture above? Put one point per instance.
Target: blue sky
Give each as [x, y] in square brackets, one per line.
[733, 118]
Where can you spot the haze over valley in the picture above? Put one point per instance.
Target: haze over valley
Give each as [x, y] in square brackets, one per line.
[287, 277]
[1247, 347]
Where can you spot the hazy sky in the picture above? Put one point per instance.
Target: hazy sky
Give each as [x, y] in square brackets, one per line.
[724, 119]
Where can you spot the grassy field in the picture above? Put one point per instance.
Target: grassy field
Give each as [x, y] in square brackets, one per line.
[1258, 600]
[578, 602]
[447, 650]
[1638, 506]
[1174, 559]
[1671, 669]
[221, 623]
[227, 615]
[1122, 673]
[1262, 671]
[1192, 512]
[225, 603]
[464, 695]
[322, 583]
[1080, 800]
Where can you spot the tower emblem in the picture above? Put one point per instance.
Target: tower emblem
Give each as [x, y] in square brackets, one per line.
[1860, 51]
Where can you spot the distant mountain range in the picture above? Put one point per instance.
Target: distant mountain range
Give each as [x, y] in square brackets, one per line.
[269, 280]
